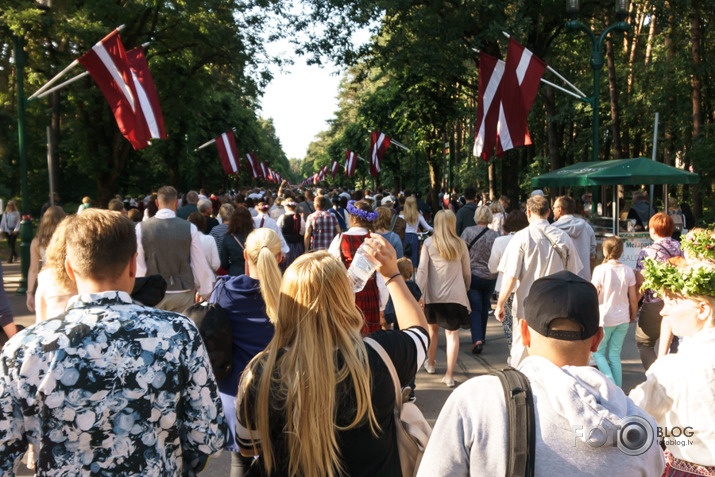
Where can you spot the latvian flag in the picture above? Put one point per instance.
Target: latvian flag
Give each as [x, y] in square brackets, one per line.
[226, 144]
[334, 168]
[350, 163]
[146, 92]
[378, 146]
[252, 164]
[108, 65]
[491, 71]
[522, 74]
[263, 170]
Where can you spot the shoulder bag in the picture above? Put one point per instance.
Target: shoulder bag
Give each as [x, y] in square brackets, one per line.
[563, 255]
[411, 427]
[521, 422]
[477, 238]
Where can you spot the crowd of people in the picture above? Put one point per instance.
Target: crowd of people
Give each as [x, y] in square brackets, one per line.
[114, 379]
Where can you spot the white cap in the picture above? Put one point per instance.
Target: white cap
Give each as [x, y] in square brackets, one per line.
[537, 192]
[387, 200]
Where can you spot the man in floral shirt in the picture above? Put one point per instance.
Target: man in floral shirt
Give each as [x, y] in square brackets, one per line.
[109, 387]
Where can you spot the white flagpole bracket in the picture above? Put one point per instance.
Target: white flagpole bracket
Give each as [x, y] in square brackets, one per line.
[361, 158]
[583, 95]
[62, 85]
[392, 141]
[582, 98]
[61, 73]
[208, 143]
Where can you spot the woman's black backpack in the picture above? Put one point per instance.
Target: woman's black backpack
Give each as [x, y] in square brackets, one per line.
[217, 334]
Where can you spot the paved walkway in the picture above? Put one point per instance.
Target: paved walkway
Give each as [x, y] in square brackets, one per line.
[431, 393]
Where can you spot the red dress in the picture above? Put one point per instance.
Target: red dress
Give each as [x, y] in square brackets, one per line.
[368, 300]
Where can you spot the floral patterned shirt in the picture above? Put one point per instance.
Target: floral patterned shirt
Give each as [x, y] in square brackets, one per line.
[109, 388]
[661, 250]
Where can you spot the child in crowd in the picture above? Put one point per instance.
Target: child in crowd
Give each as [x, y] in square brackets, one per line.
[618, 305]
[404, 265]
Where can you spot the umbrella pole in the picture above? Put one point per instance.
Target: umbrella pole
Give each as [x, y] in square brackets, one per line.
[614, 208]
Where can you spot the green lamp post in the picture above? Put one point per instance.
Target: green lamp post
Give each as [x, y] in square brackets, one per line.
[597, 59]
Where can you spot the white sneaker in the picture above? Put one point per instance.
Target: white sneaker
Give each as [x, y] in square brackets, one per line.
[448, 381]
[429, 368]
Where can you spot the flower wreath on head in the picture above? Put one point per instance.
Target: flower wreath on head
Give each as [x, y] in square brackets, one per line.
[700, 244]
[680, 276]
[352, 210]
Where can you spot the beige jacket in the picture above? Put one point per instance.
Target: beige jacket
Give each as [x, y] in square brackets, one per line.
[440, 280]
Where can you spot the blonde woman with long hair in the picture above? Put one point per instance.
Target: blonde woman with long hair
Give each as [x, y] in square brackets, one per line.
[318, 401]
[250, 301]
[38, 250]
[414, 219]
[54, 286]
[444, 277]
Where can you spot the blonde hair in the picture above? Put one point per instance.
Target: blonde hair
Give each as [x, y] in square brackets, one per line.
[299, 369]
[445, 239]
[404, 265]
[263, 247]
[11, 207]
[56, 255]
[483, 215]
[496, 207]
[412, 215]
[612, 248]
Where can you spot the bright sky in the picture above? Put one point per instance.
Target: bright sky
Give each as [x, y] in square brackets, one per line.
[300, 100]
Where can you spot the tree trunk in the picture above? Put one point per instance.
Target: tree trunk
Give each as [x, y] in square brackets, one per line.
[696, 94]
[615, 112]
[55, 140]
[551, 129]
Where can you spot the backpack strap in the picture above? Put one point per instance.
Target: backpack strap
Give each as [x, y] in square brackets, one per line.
[238, 242]
[390, 367]
[394, 220]
[564, 260]
[477, 238]
[521, 422]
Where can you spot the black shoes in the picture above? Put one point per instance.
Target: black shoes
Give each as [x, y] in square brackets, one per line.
[477, 348]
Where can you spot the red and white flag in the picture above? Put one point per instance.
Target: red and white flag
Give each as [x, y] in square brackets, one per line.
[252, 164]
[226, 144]
[315, 178]
[491, 71]
[350, 163]
[334, 168]
[378, 145]
[263, 170]
[107, 63]
[522, 75]
[146, 92]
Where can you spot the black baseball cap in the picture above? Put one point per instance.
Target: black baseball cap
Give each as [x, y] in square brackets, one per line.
[562, 295]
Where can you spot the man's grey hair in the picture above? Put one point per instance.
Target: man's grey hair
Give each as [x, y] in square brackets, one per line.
[204, 205]
[192, 197]
[225, 212]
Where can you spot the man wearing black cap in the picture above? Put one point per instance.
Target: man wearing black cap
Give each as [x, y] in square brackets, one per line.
[534, 252]
[581, 416]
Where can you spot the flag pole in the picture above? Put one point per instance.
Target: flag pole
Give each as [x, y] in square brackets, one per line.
[563, 89]
[361, 158]
[61, 85]
[40, 95]
[62, 73]
[208, 143]
[583, 95]
[392, 141]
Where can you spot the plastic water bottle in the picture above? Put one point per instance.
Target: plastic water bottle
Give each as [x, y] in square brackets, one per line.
[361, 269]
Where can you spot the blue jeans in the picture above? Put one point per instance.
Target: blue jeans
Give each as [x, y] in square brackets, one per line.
[479, 294]
[613, 337]
[414, 255]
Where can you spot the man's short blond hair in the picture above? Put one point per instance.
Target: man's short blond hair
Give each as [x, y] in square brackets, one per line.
[538, 205]
[100, 243]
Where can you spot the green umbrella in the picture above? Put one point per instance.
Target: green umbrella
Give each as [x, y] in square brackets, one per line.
[636, 171]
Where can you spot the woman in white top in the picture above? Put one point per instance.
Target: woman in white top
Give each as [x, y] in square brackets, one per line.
[38, 250]
[10, 227]
[54, 286]
[411, 245]
[208, 244]
[618, 305]
[498, 216]
[444, 277]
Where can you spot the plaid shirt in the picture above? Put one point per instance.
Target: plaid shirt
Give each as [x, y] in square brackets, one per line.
[323, 224]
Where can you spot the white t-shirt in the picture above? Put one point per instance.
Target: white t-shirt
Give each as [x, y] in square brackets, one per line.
[612, 280]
